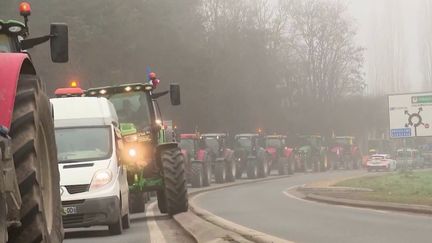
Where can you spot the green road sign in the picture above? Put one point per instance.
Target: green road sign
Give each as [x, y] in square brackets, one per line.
[424, 99]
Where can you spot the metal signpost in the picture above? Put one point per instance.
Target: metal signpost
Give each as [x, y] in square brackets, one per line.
[410, 116]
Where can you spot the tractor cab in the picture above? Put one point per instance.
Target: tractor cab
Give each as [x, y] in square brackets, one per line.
[14, 37]
[246, 144]
[215, 142]
[190, 144]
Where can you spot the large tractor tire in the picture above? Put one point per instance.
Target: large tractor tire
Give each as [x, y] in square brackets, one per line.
[282, 166]
[137, 202]
[162, 201]
[35, 158]
[252, 169]
[231, 170]
[175, 191]
[207, 173]
[196, 179]
[263, 168]
[3, 223]
[220, 173]
[291, 166]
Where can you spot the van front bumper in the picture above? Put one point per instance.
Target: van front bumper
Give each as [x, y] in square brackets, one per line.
[90, 212]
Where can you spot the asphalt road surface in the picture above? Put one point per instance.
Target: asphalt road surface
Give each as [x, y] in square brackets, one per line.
[267, 207]
[146, 227]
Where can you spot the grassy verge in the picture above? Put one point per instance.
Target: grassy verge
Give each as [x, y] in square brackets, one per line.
[413, 188]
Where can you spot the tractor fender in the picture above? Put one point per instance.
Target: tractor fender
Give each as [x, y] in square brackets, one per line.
[11, 66]
[288, 152]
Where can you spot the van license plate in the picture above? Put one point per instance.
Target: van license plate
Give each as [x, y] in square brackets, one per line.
[69, 210]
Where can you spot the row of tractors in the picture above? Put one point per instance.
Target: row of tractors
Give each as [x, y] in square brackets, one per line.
[210, 157]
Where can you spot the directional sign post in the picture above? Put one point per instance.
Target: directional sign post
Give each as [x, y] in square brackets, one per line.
[410, 115]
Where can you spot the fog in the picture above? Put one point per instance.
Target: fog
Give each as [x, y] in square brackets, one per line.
[249, 64]
[392, 31]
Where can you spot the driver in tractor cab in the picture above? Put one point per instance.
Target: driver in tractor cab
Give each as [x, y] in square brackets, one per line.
[126, 113]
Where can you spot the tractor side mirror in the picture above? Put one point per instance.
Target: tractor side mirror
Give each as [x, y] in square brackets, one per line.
[59, 43]
[175, 94]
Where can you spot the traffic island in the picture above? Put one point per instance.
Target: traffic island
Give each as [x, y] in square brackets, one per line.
[409, 192]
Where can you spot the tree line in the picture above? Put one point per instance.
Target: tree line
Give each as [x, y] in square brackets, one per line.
[290, 66]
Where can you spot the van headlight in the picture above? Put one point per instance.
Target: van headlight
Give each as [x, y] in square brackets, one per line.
[100, 179]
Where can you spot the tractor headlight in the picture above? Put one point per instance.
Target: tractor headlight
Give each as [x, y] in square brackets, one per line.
[132, 152]
[100, 179]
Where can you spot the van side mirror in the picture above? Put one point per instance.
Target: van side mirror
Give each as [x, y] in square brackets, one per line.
[59, 43]
[175, 94]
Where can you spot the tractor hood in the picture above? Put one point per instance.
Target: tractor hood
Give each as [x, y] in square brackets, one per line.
[271, 150]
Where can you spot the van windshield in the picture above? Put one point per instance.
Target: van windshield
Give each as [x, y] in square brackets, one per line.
[83, 144]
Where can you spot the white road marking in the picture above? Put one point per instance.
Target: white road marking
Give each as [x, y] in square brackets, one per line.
[156, 235]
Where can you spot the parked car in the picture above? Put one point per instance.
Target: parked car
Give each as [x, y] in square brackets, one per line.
[412, 158]
[383, 162]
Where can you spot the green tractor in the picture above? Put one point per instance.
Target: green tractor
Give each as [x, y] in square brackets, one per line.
[312, 153]
[153, 161]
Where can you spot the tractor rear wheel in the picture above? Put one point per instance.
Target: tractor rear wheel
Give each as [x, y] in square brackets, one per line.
[35, 159]
[231, 170]
[282, 166]
[137, 202]
[3, 223]
[207, 173]
[220, 173]
[174, 180]
[252, 169]
[263, 168]
[196, 175]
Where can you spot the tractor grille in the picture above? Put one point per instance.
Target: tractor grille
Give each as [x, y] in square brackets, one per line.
[73, 189]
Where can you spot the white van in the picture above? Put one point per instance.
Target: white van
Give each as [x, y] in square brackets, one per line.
[93, 184]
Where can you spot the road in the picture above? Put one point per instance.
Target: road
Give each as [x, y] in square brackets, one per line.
[146, 227]
[267, 207]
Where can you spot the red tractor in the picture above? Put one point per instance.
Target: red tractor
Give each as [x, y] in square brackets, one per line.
[222, 158]
[281, 156]
[344, 153]
[29, 179]
[197, 157]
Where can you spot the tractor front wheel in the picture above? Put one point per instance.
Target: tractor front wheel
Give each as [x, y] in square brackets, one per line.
[175, 192]
[137, 202]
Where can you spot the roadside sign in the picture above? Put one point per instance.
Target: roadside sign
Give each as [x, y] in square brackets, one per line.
[410, 115]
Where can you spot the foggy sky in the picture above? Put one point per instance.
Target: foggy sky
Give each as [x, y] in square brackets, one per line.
[380, 23]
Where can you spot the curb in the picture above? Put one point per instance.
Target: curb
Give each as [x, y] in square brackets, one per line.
[216, 229]
[412, 208]
[312, 189]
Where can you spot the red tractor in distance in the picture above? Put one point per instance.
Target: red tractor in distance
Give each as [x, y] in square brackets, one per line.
[281, 156]
[198, 161]
[30, 206]
[344, 153]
